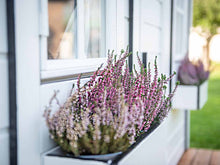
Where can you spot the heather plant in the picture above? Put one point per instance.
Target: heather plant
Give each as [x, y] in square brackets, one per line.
[100, 132]
[192, 73]
[111, 110]
[152, 91]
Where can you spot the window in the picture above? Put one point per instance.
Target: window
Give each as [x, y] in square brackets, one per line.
[93, 30]
[62, 29]
[76, 39]
[179, 25]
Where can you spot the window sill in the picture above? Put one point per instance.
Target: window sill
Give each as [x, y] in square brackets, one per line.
[59, 69]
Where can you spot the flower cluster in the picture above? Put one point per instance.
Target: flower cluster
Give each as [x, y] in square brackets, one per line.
[107, 113]
[192, 73]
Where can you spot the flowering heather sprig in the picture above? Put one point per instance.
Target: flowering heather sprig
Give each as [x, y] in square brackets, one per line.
[153, 94]
[101, 132]
[111, 110]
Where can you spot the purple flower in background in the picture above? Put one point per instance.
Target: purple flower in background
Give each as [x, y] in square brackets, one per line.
[192, 74]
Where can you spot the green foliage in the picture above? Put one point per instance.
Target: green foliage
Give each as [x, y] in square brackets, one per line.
[206, 14]
[205, 124]
[87, 145]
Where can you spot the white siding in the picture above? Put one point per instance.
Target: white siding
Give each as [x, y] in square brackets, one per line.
[28, 81]
[46, 92]
[32, 96]
[152, 35]
[4, 118]
[117, 33]
[3, 29]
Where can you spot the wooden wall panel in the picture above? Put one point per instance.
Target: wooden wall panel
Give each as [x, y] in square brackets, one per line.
[4, 108]
[4, 114]
[3, 29]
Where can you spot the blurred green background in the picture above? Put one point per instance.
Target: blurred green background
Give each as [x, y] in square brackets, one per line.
[205, 123]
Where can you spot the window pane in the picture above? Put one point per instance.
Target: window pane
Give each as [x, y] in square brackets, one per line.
[62, 27]
[94, 28]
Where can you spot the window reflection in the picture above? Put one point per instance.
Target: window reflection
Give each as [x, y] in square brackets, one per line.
[62, 26]
[62, 41]
[93, 31]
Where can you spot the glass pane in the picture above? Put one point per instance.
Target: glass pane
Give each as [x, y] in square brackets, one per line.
[62, 27]
[94, 31]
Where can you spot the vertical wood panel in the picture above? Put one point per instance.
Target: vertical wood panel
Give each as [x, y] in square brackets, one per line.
[4, 110]
[46, 92]
[4, 147]
[111, 24]
[151, 12]
[28, 81]
[4, 92]
[150, 38]
[3, 27]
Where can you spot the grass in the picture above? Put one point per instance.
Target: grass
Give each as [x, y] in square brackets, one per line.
[205, 124]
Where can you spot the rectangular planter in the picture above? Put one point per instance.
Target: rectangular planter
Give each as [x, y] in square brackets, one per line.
[191, 97]
[145, 148]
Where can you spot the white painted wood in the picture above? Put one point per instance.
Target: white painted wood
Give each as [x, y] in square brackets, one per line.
[43, 17]
[4, 113]
[175, 126]
[4, 106]
[111, 24]
[187, 96]
[151, 12]
[180, 33]
[150, 38]
[136, 30]
[157, 20]
[122, 24]
[32, 96]
[151, 29]
[60, 68]
[150, 151]
[28, 81]
[51, 160]
[165, 35]
[187, 17]
[203, 94]
[3, 29]
[147, 152]
[175, 137]
[4, 146]
[80, 32]
[177, 153]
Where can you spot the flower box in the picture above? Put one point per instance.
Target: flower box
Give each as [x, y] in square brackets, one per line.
[145, 148]
[111, 114]
[191, 97]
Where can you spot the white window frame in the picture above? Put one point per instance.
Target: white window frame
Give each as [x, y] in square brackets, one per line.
[67, 67]
[182, 11]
